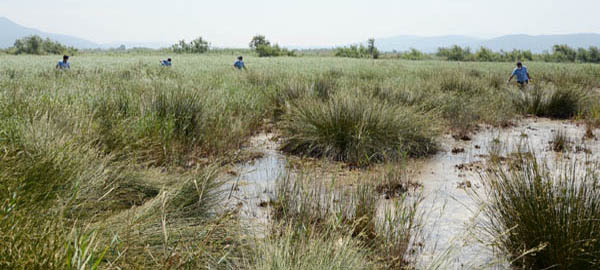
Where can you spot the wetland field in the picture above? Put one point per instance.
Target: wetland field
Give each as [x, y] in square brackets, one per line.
[297, 163]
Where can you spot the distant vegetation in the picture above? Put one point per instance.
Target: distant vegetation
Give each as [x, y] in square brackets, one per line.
[359, 51]
[198, 45]
[38, 46]
[263, 48]
[560, 53]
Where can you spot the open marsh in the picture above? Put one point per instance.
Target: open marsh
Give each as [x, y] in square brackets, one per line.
[153, 167]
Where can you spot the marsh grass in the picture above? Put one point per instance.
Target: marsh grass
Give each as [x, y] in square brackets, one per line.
[560, 141]
[115, 154]
[544, 217]
[548, 101]
[385, 234]
[357, 130]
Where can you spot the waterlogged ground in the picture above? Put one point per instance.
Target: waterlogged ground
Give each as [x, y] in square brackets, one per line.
[254, 181]
[452, 176]
[449, 182]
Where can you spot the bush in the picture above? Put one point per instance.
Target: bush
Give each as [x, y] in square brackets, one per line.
[357, 130]
[455, 53]
[263, 48]
[37, 45]
[359, 51]
[198, 45]
[543, 217]
[275, 50]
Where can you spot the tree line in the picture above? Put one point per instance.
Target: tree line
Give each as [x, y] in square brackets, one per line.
[264, 48]
[559, 53]
[39, 46]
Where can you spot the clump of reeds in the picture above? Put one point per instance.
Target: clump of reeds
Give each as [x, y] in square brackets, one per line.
[543, 217]
[316, 213]
[357, 130]
[560, 141]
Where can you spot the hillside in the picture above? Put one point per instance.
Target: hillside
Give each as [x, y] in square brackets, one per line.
[10, 31]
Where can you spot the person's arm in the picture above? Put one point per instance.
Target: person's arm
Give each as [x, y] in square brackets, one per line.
[529, 76]
[512, 75]
[244, 66]
[57, 66]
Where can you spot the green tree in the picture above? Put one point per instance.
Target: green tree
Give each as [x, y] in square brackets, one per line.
[37, 45]
[486, 55]
[259, 40]
[198, 45]
[564, 53]
[594, 55]
[455, 53]
[371, 49]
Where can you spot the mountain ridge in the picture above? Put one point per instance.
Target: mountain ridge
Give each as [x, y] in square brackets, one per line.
[10, 31]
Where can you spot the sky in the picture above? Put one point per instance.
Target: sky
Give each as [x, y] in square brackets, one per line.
[232, 23]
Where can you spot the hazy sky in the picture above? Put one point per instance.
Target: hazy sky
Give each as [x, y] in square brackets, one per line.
[232, 23]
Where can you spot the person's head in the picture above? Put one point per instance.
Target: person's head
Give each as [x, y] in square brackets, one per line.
[65, 58]
[519, 64]
[240, 58]
[169, 59]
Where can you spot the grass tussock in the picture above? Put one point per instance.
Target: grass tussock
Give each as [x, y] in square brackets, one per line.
[348, 217]
[544, 218]
[358, 131]
[560, 103]
[560, 141]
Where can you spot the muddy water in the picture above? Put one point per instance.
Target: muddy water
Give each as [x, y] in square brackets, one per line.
[449, 178]
[255, 182]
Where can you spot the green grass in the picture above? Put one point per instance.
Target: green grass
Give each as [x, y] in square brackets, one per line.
[544, 218]
[357, 130]
[306, 211]
[121, 155]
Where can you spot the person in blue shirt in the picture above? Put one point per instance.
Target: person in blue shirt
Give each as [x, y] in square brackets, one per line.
[166, 63]
[64, 64]
[239, 64]
[521, 73]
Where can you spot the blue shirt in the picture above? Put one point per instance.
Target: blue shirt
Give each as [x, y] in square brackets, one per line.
[63, 65]
[166, 63]
[239, 64]
[521, 74]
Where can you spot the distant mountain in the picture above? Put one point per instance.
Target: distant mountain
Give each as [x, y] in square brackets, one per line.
[10, 31]
[541, 43]
[536, 44]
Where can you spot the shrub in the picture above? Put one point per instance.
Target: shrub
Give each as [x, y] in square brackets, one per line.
[275, 50]
[263, 48]
[357, 130]
[359, 51]
[352, 51]
[37, 45]
[544, 217]
[455, 53]
[198, 45]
